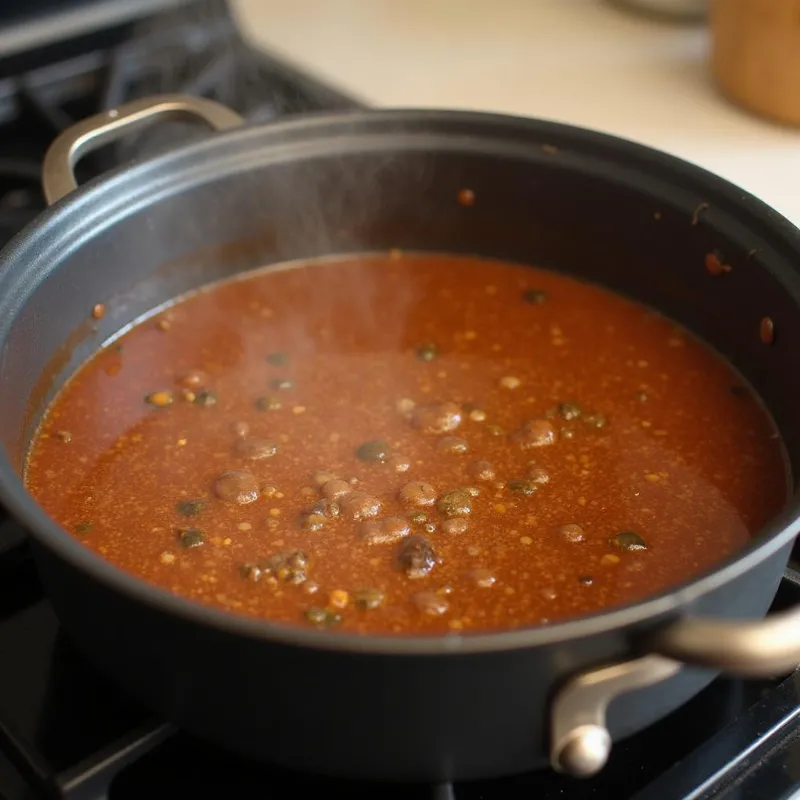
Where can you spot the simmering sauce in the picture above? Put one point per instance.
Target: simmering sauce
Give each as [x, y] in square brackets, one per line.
[408, 444]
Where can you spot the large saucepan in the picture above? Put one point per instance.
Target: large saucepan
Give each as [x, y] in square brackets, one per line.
[400, 708]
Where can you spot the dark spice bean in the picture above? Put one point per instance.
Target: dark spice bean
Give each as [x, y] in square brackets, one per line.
[368, 599]
[384, 531]
[428, 602]
[236, 486]
[255, 449]
[289, 566]
[359, 505]
[269, 403]
[569, 411]
[427, 351]
[629, 541]
[375, 450]
[535, 297]
[416, 556]
[417, 493]
[190, 508]
[535, 433]
[438, 418]
[456, 503]
[191, 537]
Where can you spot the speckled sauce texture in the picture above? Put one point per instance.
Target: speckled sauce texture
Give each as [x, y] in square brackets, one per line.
[408, 444]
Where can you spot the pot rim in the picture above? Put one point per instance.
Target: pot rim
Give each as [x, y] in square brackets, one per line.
[67, 222]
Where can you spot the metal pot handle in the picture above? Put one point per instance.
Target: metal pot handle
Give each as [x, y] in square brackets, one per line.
[580, 742]
[58, 176]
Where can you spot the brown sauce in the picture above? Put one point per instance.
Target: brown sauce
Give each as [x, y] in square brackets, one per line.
[412, 444]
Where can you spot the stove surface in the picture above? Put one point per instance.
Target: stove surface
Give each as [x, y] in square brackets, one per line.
[65, 732]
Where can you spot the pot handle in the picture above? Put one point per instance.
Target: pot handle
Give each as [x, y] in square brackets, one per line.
[580, 742]
[58, 176]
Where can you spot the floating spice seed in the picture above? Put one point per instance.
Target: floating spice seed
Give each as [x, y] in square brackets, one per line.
[278, 359]
[569, 411]
[384, 531]
[452, 444]
[236, 486]
[596, 421]
[339, 598]
[359, 505]
[417, 493]
[251, 572]
[629, 541]
[567, 433]
[281, 384]
[429, 602]
[191, 537]
[641, 397]
[205, 399]
[311, 522]
[535, 433]
[375, 450]
[98, 311]
[405, 405]
[510, 382]
[428, 351]
[455, 526]
[323, 618]
[336, 488]
[466, 198]
[438, 418]
[477, 415]
[535, 297]
[255, 449]
[419, 517]
[83, 527]
[416, 556]
[288, 566]
[524, 487]
[456, 503]
[715, 265]
[572, 532]
[190, 508]
[482, 471]
[268, 403]
[539, 476]
[482, 577]
[194, 379]
[368, 599]
[65, 436]
[159, 399]
[586, 580]
[767, 330]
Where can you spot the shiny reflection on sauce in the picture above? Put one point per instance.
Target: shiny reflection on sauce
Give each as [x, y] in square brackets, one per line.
[608, 454]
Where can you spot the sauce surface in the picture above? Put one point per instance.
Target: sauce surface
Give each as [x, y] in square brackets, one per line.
[408, 444]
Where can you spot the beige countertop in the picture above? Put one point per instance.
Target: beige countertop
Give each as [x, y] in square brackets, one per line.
[578, 61]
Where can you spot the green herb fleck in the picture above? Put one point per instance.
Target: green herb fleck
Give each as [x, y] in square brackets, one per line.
[522, 487]
[191, 537]
[535, 297]
[269, 403]
[83, 527]
[278, 359]
[322, 617]
[427, 351]
[418, 518]
[190, 508]
[375, 450]
[205, 399]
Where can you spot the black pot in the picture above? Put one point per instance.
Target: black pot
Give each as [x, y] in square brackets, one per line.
[603, 209]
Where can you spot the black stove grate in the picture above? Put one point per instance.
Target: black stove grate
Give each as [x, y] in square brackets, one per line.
[65, 732]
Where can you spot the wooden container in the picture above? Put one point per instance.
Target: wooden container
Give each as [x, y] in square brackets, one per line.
[756, 55]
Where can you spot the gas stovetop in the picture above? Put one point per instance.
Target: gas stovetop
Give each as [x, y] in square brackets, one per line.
[65, 732]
